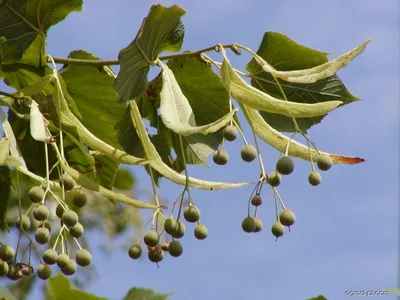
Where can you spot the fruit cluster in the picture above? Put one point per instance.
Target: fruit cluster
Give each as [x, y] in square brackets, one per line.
[71, 229]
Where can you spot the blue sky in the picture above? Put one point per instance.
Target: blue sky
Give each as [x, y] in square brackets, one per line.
[346, 234]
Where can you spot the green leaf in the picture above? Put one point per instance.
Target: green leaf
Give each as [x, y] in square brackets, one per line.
[161, 31]
[5, 189]
[209, 101]
[176, 112]
[285, 54]
[21, 22]
[319, 297]
[62, 289]
[124, 180]
[91, 88]
[145, 294]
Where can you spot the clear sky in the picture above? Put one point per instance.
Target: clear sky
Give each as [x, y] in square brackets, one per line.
[346, 233]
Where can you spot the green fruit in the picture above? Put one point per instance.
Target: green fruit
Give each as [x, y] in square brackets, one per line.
[47, 225]
[3, 268]
[256, 200]
[151, 238]
[259, 225]
[14, 272]
[171, 225]
[63, 261]
[180, 232]
[25, 224]
[230, 133]
[70, 269]
[287, 217]
[285, 165]
[274, 179]
[80, 199]
[200, 232]
[59, 211]
[27, 270]
[76, 231]
[36, 194]
[50, 256]
[7, 253]
[249, 224]
[156, 254]
[83, 257]
[220, 157]
[175, 249]
[324, 162]
[277, 229]
[40, 212]
[42, 235]
[70, 218]
[43, 272]
[135, 251]
[191, 213]
[248, 153]
[314, 178]
[67, 181]
[165, 246]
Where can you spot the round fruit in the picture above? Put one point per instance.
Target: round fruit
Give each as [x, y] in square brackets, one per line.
[249, 224]
[220, 157]
[63, 261]
[43, 271]
[77, 230]
[285, 165]
[3, 268]
[200, 232]
[25, 224]
[36, 194]
[314, 178]
[27, 270]
[59, 211]
[14, 272]
[277, 229]
[70, 269]
[7, 253]
[324, 162]
[50, 256]
[135, 251]
[83, 257]
[180, 232]
[259, 225]
[171, 225]
[274, 179]
[175, 249]
[151, 238]
[42, 235]
[248, 153]
[256, 200]
[80, 199]
[230, 133]
[287, 217]
[156, 254]
[70, 218]
[68, 182]
[191, 213]
[165, 246]
[40, 212]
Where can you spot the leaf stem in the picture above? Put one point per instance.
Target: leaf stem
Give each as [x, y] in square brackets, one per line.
[100, 62]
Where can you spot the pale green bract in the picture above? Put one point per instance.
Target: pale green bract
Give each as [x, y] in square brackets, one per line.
[157, 164]
[176, 112]
[254, 98]
[317, 73]
[280, 141]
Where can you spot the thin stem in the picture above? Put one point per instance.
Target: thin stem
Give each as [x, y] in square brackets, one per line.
[87, 62]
